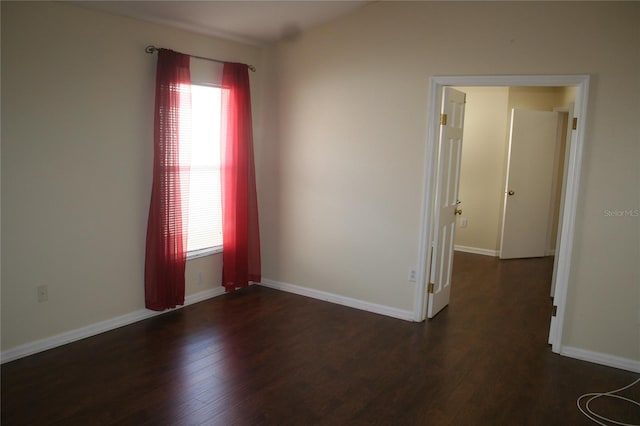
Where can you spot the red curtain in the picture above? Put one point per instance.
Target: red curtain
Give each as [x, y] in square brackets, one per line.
[167, 226]
[241, 235]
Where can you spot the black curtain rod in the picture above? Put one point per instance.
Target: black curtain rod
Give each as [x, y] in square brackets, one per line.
[151, 49]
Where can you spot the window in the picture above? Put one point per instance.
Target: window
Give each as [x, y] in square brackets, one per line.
[205, 199]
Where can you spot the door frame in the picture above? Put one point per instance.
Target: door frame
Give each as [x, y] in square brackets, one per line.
[570, 194]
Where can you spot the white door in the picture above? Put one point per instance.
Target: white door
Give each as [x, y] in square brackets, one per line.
[528, 193]
[446, 204]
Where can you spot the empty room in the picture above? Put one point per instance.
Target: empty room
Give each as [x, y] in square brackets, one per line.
[239, 212]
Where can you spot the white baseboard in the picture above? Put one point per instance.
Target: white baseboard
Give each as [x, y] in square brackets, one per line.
[600, 358]
[476, 250]
[142, 314]
[340, 300]
[99, 327]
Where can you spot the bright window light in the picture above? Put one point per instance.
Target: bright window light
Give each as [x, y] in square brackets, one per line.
[205, 200]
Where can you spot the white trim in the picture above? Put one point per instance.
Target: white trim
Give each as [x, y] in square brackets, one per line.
[564, 246]
[562, 180]
[194, 254]
[511, 80]
[567, 231]
[425, 244]
[600, 358]
[338, 299]
[99, 327]
[476, 250]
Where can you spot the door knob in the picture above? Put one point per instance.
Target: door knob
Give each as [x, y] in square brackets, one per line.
[511, 192]
[457, 211]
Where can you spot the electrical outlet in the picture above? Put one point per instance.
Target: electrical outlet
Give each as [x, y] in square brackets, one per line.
[412, 275]
[463, 222]
[43, 293]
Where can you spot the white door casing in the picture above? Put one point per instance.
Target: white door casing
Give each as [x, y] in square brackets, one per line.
[573, 161]
[528, 193]
[449, 156]
[562, 179]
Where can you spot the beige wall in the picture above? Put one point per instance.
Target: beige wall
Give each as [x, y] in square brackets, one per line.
[538, 98]
[345, 169]
[340, 168]
[77, 132]
[483, 166]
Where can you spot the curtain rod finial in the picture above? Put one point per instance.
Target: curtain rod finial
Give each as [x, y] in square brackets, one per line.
[150, 49]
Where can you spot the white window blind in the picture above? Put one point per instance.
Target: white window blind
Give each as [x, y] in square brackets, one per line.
[205, 201]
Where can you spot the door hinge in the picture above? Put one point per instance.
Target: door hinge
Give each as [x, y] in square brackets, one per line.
[443, 119]
[554, 311]
[430, 288]
[574, 126]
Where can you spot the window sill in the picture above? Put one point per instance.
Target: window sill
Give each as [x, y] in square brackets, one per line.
[203, 252]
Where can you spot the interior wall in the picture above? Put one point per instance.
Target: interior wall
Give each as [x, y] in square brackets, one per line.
[536, 98]
[347, 169]
[77, 156]
[482, 167]
[340, 173]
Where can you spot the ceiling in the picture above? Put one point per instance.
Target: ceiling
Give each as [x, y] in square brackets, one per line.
[254, 22]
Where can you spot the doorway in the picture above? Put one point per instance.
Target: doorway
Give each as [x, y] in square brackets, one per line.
[514, 143]
[568, 198]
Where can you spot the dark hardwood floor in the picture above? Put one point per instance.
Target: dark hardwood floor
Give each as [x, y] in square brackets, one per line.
[264, 357]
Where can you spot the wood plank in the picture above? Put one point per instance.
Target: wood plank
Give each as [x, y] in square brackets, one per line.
[260, 356]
